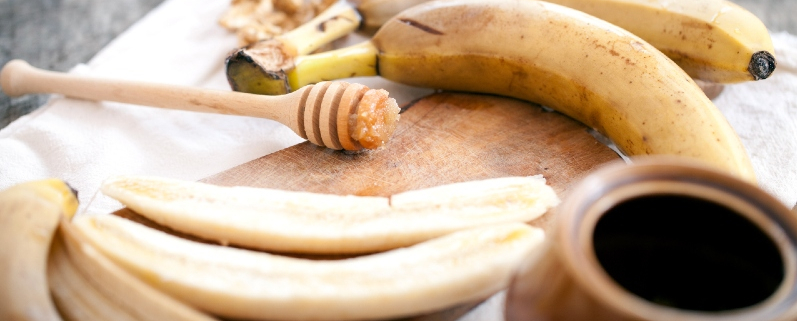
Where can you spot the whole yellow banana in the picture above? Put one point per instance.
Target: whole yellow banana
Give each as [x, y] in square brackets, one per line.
[376, 12]
[712, 40]
[29, 216]
[582, 66]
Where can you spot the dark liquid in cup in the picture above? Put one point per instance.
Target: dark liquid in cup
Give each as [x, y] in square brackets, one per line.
[687, 253]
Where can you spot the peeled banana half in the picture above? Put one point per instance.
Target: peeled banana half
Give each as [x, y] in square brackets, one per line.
[584, 67]
[29, 216]
[233, 283]
[303, 222]
[86, 285]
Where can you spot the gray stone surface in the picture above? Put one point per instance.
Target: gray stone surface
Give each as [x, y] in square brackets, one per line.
[58, 34]
[777, 15]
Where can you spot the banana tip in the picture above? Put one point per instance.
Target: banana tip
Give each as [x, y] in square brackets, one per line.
[762, 64]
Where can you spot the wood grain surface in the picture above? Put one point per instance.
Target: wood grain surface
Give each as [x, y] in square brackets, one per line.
[441, 139]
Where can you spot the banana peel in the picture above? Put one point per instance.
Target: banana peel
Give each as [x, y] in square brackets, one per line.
[86, 285]
[246, 72]
[259, 68]
[29, 216]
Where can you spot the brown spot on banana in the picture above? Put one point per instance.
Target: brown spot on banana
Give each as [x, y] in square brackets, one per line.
[421, 26]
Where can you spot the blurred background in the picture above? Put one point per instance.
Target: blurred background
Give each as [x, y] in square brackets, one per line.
[59, 34]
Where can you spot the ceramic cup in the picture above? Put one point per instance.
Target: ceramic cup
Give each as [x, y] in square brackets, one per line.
[662, 239]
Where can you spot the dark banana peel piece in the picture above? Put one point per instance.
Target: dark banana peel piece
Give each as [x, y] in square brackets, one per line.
[261, 67]
[246, 73]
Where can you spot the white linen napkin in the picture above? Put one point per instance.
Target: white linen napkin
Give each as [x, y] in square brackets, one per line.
[180, 43]
[764, 114]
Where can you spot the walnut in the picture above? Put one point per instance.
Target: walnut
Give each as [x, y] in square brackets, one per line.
[256, 20]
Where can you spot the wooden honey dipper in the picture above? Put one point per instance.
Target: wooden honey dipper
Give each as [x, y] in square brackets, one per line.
[335, 114]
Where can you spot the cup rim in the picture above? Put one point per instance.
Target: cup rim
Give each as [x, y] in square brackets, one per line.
[618, 182]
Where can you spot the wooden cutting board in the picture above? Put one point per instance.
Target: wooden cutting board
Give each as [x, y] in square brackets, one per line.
[440, 139]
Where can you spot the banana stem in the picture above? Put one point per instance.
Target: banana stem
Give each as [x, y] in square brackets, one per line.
[359, 60]
[336, 21]
[762, 64]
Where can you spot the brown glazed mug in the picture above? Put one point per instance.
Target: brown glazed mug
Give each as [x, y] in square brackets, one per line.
[662, 239]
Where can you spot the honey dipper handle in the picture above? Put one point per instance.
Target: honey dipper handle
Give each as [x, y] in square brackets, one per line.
[19, 78]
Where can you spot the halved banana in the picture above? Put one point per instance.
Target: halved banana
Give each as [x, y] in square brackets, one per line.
[303, 222]
[235, 283]
[74, 295]
[29, 215]
[88, 286]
